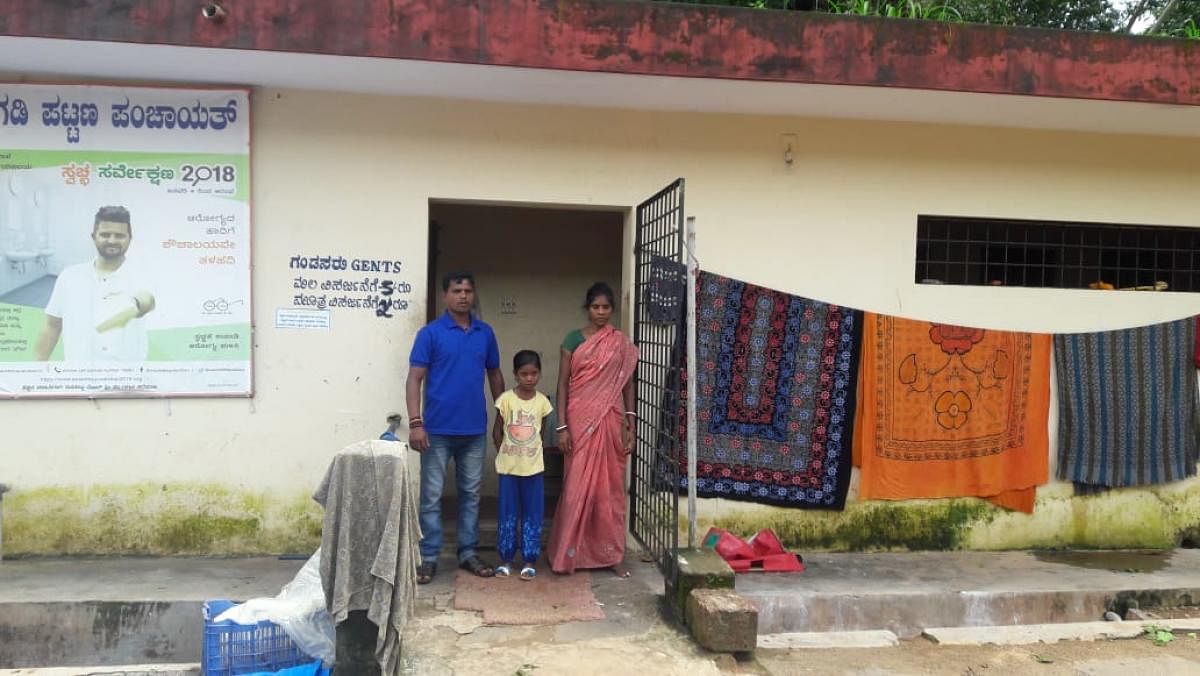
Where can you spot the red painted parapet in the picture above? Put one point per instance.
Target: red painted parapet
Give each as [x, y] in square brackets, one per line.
[650, 39]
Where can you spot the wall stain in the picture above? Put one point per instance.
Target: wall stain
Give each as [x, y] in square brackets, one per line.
[868, 526]
[116, 620]
[716, 42]
[216, 520]
[158, 519]
[1156, 518]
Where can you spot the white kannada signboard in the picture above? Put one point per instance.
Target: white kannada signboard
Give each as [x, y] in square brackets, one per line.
[124, 241]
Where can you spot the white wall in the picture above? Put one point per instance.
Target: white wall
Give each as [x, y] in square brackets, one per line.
[354, 176]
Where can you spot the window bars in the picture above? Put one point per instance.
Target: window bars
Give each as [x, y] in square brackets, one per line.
[1056, 254]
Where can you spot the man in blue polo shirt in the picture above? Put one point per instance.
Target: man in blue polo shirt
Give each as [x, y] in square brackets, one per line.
[450, 357]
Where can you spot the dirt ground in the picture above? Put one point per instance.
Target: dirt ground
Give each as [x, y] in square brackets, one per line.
[537, 652]
[1139, 657]
[634, 639]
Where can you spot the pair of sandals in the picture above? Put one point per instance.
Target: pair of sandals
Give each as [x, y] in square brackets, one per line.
[527, 573]
[472, 564]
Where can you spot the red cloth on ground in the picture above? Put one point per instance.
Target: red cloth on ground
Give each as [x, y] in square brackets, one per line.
[762, 552]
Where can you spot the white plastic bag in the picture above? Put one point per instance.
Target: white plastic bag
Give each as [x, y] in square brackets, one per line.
[299, 610]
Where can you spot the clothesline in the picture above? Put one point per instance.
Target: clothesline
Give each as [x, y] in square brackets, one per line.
[936, 410]
[981, 326]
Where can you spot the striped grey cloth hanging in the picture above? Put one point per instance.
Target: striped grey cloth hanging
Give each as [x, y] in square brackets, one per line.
[1127, 405]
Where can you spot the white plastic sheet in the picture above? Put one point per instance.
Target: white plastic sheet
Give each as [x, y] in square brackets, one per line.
[299, 610]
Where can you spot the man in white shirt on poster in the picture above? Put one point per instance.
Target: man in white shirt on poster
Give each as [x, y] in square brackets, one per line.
[98, 307]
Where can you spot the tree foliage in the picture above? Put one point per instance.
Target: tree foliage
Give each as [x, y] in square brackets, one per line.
[1175, 18]
[1094, 15]
[1179, 18]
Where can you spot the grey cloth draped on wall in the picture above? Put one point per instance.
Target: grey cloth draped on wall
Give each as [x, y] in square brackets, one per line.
[370, 541]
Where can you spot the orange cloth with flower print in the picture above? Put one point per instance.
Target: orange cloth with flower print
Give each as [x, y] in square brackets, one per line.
[950, 411]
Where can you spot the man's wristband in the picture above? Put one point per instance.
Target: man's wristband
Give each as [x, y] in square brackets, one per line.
[560, 428]
[413, 424]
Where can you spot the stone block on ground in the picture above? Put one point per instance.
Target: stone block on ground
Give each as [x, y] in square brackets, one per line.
[722, 621]
[698, 569]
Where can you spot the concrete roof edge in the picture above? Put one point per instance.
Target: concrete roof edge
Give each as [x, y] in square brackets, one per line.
[648, 38]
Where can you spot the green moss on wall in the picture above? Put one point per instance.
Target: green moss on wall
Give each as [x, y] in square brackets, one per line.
[1136, 518]
[208, 519]
[1132, 518]
[866, 526]
[201, 532]
[160, 519]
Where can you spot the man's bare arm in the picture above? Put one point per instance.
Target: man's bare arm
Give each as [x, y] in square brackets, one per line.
[495, 382]
[48, 338]
[418, 440]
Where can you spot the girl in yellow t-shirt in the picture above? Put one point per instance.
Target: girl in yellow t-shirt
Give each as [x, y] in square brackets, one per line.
[518, 438]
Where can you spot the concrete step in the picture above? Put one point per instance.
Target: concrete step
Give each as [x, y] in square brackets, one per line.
[906, 592]
[78, 633]
[1052, 633]
[179, 669]
[120, 611]
[828, 639]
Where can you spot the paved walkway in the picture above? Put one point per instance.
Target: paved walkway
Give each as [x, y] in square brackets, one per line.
[142, 579]
[110, 603]
[191, 578]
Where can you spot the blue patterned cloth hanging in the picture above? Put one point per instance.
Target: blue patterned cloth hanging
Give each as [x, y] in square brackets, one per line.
[776, 378]
[1127, 405]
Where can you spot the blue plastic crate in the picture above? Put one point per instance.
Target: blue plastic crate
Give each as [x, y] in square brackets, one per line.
[230, 649]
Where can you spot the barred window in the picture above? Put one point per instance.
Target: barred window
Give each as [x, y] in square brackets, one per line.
[1056, 254]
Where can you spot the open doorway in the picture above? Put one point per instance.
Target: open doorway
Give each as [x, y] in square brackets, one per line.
[532, 266]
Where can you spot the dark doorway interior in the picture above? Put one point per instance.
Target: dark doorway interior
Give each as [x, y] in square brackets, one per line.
[532, 267]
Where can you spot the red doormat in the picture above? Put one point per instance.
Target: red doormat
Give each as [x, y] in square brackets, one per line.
[548, 599]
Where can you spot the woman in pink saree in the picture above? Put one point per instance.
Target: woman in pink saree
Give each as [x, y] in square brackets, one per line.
[596, 435]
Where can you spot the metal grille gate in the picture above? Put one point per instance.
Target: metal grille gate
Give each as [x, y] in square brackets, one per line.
[655, 476]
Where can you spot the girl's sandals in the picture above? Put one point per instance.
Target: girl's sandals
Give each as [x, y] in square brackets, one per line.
[503, 570]
[425, 573]
[528, 573]
[474, 565]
